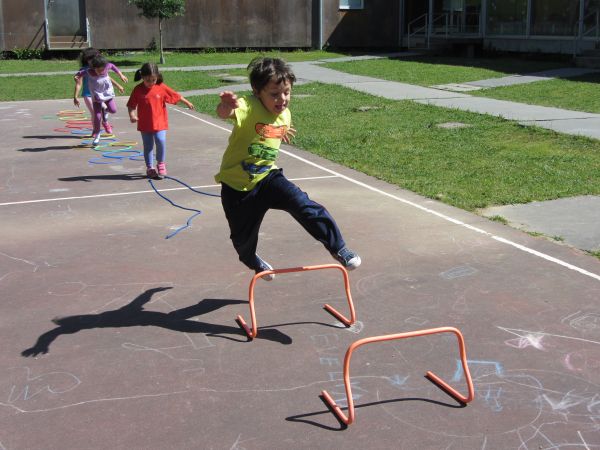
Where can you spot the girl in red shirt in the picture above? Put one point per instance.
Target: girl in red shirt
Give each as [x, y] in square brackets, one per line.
[147, 106]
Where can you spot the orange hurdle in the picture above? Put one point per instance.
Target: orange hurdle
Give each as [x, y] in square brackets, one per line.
[434, 378]
[254, 331]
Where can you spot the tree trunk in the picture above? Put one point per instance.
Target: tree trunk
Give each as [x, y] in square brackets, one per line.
[160, 40]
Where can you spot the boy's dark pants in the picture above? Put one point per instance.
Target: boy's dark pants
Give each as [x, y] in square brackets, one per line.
[246, 210]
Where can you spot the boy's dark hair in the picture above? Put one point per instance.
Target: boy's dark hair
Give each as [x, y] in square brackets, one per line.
[87, 54]
[262, 70]
[98, 61]
[148, 68]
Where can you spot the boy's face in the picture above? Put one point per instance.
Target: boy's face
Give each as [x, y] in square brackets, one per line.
[275, 97]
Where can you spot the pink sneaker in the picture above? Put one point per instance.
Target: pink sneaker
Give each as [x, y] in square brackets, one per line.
[162, 169]
[151, 172]
[107, 127]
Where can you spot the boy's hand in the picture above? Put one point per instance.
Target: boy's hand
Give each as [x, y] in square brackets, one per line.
[229, 102]
[289, 135]
[76, 101]
[229, 98]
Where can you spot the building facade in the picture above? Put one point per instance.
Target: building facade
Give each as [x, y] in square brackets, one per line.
[553, 26]
[546, 26]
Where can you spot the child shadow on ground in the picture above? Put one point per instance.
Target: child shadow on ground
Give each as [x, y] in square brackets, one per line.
[45, 149]
[111, 177]
[133, 314]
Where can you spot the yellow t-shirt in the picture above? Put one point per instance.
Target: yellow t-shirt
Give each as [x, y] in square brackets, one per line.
[253, 144]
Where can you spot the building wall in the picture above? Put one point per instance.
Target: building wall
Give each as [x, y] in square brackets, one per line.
[114, 24]
[117, 25]
[206, 23]
[377, 25]
[1, 27]
[22, 24]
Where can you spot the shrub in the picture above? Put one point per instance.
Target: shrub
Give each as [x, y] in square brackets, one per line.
[25, 53]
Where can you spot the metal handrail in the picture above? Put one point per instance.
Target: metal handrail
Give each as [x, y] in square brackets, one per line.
[428, 29]
[418, 30]
[596, 27]
[581, 33]
[446, 24]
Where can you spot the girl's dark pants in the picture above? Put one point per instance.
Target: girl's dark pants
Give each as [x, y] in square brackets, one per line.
[246, 210]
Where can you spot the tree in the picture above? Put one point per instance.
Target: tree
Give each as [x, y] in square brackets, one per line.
[161, 9]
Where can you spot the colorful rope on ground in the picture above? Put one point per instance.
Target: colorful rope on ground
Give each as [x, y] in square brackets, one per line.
[78, 124]
[197, 211]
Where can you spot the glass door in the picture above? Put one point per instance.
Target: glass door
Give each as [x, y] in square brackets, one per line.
[463, 15]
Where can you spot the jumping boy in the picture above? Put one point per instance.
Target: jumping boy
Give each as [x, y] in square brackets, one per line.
[251, 183]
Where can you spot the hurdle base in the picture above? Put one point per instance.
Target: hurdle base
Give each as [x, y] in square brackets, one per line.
[242, 323]
[339, 316]
[336, 409]
[447, 388]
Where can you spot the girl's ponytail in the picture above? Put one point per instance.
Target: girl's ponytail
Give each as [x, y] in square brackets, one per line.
[148, 68]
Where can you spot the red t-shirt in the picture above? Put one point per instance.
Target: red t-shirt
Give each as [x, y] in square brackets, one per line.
[151, 106]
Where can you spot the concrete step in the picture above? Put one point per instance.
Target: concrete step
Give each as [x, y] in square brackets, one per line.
[67, 42]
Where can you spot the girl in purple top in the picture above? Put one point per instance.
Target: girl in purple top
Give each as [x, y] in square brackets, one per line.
[101, 89]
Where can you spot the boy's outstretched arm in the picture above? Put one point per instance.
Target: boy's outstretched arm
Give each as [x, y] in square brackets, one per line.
[227, 105]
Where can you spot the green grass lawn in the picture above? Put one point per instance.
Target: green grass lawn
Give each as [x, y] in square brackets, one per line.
[62, 86]
[492, 162]
[428, 71]
[577, 93]
[172, 59]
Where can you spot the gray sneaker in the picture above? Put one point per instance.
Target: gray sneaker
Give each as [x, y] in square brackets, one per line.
[347, 258]
[262, 265]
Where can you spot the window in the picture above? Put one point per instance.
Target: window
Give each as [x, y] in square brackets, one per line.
[352, 4]
[554, 17]
[508, 17]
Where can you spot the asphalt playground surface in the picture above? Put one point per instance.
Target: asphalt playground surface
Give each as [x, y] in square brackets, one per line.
[114, 337]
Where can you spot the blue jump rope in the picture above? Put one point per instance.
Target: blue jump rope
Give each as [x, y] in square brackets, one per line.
[138, 156]
[197, 212]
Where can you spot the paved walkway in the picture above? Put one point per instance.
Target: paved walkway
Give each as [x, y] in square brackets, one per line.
[512, 80]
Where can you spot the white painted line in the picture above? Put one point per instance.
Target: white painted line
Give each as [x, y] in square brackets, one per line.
[423, 208]
[116, 194]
